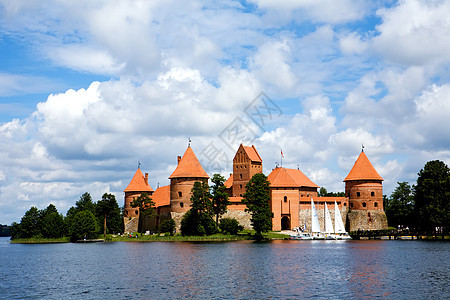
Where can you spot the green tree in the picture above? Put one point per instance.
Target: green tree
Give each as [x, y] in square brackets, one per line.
[109, 212]
[400, 206]
[219, 196]
[30, 224]
[324, 193]
[432, 196]
[84, 204]
[52, 223]
[146, 211]
[84, 224]
[257, 198]
[198, 220]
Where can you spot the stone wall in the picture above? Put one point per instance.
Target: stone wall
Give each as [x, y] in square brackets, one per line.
[305, 215]
[131, 225]
[242, 217]
[366, 220]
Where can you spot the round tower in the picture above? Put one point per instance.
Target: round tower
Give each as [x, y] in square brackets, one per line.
[188, 171]
[138, 185]
[364, 189]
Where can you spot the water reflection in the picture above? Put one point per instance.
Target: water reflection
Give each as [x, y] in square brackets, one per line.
[237, 270]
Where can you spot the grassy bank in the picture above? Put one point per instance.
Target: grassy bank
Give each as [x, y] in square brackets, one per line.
[36, 240]
[243, 235]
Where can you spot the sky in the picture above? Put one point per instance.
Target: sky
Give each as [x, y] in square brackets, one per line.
[91, 89]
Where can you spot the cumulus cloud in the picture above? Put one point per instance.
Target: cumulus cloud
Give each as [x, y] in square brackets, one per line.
[414, 32]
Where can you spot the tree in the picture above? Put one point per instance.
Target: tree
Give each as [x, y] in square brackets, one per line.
[146, 211]
[432, 196]
[30, 225]
[257, 198]
[84, 204]
[84, 224]
[219, 196]
[52, 223]
[400, 207]
[324, 193]
[108, 210]
[198, 220]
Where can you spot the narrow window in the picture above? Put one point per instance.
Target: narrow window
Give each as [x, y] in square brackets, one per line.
[180, 194]
[136, 212]
[364, 204]
[358, 194]
[375, 204]
[181, 204]
[240, 186]
[285, 199]
[240, 176]
[368, 214]
[372, 194]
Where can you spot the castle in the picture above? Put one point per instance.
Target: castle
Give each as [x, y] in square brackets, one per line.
[290, 193]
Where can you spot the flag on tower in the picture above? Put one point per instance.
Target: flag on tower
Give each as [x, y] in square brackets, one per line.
[282, 154]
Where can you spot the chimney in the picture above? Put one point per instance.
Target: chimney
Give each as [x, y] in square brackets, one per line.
[146, 178]
[179, 158]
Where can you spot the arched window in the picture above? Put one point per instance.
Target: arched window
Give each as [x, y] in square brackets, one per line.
[181, 204]
[372, 194]
[285, 199]
[240, 176]
[136, 212]
[358, 194]
[364, 204]
[180, 194]
[375, 204]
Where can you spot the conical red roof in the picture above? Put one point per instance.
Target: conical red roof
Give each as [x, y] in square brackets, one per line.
[363, 170]
[138, 184]
[189, 166]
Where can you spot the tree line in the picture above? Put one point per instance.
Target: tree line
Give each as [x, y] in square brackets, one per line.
[87, 219]
[425, 206]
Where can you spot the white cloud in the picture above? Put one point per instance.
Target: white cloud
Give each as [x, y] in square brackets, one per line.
[352, 44]
[415, 32]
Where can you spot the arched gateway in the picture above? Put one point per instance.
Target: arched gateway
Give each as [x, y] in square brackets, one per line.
[285, 223]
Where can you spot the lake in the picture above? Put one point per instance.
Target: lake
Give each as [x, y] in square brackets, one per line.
[226, 270]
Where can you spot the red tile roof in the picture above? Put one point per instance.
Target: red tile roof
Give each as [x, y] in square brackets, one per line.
[283, 177]
[161, 197]
[252, 153]
[138, 184]
[363, 170]
[229, 182]
[189, 166]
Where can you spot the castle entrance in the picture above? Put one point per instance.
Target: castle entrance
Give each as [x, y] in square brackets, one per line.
[285, 223]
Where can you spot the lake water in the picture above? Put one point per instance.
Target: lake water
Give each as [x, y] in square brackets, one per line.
[229, 270]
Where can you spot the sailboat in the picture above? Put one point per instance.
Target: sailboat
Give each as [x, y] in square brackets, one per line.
[315, 226]
[340, 233]
[328, 230]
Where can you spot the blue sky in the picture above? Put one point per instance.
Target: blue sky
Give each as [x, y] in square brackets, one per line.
[89, 88]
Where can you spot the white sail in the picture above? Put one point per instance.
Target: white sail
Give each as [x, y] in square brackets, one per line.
[328, 223]
[339, 225]
[315, 227]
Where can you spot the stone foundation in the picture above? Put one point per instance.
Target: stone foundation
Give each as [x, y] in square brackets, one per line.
[366, 220]
[241, 216]
[131, 225]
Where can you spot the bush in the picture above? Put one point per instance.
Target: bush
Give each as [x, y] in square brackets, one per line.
[197, 224]
[167, 226]
[230, 226]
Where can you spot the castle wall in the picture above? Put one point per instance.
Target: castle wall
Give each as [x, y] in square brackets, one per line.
[366, 220]
[128, 210]
[364, 194]
[181, 192]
